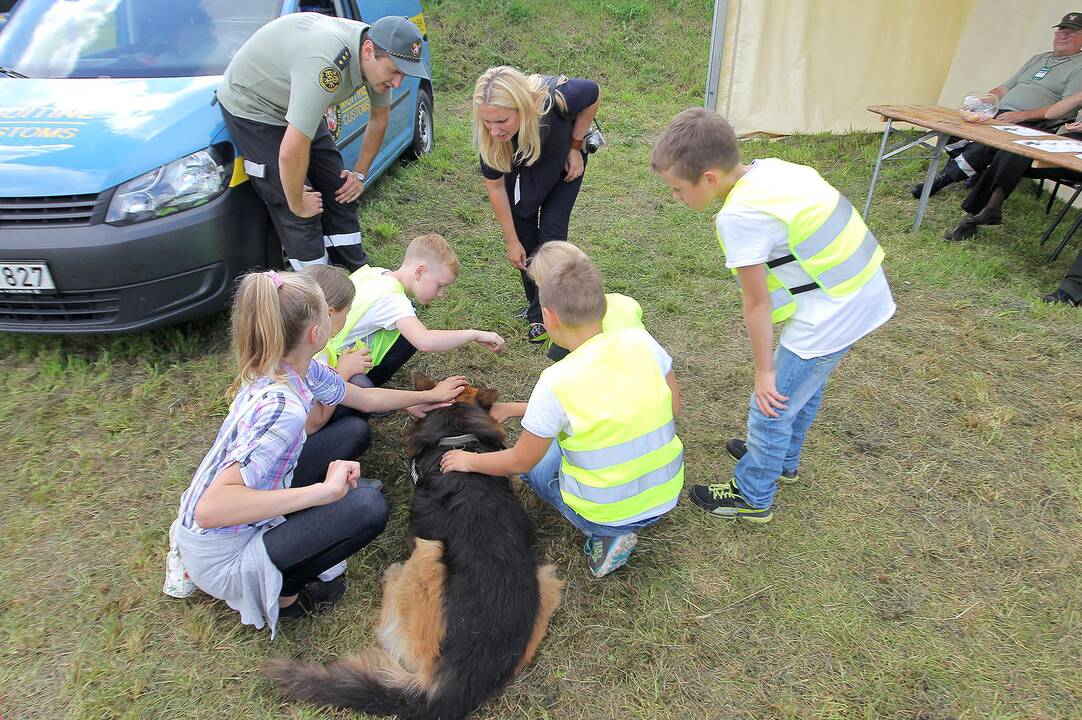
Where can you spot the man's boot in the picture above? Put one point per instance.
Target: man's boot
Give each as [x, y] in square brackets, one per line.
[950, 175]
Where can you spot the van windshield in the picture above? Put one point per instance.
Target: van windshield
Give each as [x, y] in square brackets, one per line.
[128, 38]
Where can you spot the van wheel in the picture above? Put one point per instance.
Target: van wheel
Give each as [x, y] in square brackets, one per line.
[423, 127]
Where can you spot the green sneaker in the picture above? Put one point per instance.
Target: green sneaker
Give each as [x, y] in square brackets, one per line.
[738, 449]
[605, 554]
[725, 501]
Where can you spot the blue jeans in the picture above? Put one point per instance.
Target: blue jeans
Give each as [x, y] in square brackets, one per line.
[774, 443]
[544, 480]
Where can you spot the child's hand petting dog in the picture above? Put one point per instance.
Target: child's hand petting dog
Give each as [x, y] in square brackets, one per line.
[457, 461]
[342, 475]
[491, 340]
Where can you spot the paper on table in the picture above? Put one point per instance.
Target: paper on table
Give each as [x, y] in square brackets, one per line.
[1052, 145]
[1019, 130]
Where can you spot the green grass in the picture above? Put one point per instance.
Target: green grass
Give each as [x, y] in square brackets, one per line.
[927, 565]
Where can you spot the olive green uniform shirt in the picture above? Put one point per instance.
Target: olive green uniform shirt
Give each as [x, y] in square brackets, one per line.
[1043, 80]
[295, 67]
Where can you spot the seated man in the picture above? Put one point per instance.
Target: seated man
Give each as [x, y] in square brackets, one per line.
[1042, 81]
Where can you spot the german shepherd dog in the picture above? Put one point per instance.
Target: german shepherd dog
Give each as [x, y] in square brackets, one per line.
[468, 609]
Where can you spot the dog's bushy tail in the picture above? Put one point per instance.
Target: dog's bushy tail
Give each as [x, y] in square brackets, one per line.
[372, 682]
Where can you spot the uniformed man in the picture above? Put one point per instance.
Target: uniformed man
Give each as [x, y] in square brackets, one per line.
[274, 99]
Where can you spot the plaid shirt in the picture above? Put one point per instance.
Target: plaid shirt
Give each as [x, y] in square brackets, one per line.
[263, 434]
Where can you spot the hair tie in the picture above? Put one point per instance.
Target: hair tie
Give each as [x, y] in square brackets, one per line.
[274, 278]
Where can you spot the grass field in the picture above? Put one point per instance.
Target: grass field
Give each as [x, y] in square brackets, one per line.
[926, 567]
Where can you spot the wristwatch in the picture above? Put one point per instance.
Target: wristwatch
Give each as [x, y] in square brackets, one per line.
[359, 176]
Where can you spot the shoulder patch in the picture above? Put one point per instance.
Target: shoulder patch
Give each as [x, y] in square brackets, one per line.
[342, 60]
[329, 79]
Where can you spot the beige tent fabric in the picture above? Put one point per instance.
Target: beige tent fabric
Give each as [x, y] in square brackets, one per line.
[815, 65]
[998, 37]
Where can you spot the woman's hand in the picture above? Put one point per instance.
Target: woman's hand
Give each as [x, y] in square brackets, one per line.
[516, 255]
[456, 461]
[341, 477]
[573, 165]
[354, 362]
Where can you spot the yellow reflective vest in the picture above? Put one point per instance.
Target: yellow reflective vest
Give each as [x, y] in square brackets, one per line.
[621, 311]
[622, 461]
[827, 237]
[371, 283]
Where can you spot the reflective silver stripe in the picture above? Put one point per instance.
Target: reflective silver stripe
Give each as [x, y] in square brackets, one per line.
[652, 512]
[342, 239]
[299, 265]
[616, 493]
[622, 452]
[828, 231]
[852, 265]
[780, 298]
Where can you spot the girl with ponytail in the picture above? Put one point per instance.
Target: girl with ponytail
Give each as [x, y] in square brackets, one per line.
[247, 532]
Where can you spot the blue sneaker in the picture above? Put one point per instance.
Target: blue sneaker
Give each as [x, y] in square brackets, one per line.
[605, 554]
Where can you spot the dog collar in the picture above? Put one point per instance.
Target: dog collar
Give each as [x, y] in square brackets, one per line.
[454, 442]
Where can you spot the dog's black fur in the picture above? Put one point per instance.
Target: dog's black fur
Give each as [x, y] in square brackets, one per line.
[491, 589]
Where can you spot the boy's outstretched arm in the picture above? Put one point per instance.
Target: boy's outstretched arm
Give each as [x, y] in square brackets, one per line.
[526, 452]
[761, 334]
[428, 340]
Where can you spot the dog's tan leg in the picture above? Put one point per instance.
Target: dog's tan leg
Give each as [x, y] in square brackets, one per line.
[413, 625]
[549, 589]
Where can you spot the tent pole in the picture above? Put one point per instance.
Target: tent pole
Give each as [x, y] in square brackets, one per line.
[717, 47]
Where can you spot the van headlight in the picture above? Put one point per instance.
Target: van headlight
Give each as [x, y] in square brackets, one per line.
[185, 183]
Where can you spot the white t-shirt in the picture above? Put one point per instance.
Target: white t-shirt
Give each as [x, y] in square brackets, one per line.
[383, 314]
[821, 324]
[545, 416]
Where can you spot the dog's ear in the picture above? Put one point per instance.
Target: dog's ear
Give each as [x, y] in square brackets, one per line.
[422, 382]
[487, 397]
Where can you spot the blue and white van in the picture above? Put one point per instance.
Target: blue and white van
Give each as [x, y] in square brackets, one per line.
[123, 203]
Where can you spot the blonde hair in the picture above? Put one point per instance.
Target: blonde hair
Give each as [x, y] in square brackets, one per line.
[334, 281]
[695, 141]
[550, 258]
[506, 87]
[575, 290]
[268, 321]
[434, 250]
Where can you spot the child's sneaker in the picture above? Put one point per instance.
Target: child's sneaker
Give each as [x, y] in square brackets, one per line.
[605, 554]
[725, 501]
[537, 334]
[314, 598]
[738, 449]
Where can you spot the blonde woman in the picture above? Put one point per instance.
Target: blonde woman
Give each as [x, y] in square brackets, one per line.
[529, 132]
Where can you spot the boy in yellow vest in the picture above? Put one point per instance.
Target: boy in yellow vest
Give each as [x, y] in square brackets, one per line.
[621, 311]
[382, 319]
[598, 438]
[801, 254]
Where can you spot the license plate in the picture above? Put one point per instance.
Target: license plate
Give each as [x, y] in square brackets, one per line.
[25, 277]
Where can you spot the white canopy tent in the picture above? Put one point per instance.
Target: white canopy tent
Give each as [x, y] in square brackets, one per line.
[785, 66]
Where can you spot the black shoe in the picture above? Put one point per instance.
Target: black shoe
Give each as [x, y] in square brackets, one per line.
[523, 313]
[725, 501]
[1060, 297]
[314, 598]
[988, 217]
[950, 175]
[537, 334]
[965, 229]
[738, 449]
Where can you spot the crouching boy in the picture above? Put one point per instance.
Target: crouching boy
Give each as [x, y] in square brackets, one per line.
[599, 439]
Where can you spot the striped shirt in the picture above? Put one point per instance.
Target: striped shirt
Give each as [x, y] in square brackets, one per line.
[263, 433]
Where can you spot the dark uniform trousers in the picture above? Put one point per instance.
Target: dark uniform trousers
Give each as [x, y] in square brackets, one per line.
[334, 235]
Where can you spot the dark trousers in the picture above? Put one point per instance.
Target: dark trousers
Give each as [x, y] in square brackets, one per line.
[335, 233]
[314, 539]
[1005, 172]
[550, 222]
[396, 357]
[1072, 283]
[317, 538]
[969, 159]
